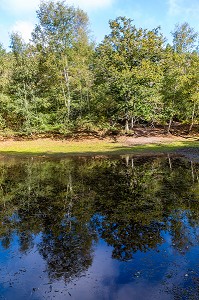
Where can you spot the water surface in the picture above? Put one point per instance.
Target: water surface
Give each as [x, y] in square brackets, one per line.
[99, 228]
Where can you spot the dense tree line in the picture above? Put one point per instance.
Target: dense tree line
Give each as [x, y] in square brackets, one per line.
[61, 81]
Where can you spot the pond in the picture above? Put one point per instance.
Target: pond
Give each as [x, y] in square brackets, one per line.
[99, 228]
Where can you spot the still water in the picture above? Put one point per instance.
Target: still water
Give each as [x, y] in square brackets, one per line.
[99, 228]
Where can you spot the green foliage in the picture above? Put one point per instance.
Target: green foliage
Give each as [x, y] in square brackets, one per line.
[185, 39]
[128, 69]
[59, 81]
[64, 52]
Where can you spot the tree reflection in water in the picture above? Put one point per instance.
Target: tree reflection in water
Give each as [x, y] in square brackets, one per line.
[71, 203]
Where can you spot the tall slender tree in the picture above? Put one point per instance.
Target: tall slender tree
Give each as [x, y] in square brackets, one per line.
[62, 40]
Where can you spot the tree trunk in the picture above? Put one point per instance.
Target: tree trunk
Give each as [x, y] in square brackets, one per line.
[170, 122]
[132, 122]
[67, 82]
[126, 115]
[66, 76]
[126, 125]
[88, 100]
[26, 106]
[192, 117]
[63, 92]
[81, 101]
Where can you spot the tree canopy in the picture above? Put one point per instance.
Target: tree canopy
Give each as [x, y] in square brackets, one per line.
[61, 81]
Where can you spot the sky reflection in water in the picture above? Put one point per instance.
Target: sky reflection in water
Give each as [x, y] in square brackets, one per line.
[99, 228]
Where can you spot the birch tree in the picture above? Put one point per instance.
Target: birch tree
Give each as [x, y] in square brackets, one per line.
[62, 39]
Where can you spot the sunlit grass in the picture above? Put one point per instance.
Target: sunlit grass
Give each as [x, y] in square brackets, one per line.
[54, 146]
[50, 147]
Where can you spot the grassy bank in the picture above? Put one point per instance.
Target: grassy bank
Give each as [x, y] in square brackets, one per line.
[88, 147]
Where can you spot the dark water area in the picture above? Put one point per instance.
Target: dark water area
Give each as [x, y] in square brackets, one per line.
[99, 228]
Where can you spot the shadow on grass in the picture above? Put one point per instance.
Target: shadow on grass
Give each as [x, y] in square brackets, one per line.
[183, 146]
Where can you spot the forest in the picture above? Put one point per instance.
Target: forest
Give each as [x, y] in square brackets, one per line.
[62, 81]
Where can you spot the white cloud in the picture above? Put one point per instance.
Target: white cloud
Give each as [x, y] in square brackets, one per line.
[19, 7]
[91, 4]
[174, 7]
[24, 28]
[187, 8]
[21, 15]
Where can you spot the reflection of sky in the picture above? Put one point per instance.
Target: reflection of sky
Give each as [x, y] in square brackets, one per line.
[146, 276]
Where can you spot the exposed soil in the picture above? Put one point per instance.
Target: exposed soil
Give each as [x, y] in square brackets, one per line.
[125, 140]
[139, 136]
[151, 135]
[143, 140]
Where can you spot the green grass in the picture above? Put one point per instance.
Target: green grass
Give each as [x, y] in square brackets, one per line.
[53, 147]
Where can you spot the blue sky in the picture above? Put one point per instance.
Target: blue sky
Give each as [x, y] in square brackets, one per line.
[20, 15]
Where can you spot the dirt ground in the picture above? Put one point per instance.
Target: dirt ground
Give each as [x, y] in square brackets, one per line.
[125, 140]
[149, 135]
[139, 136]
[143, 140]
